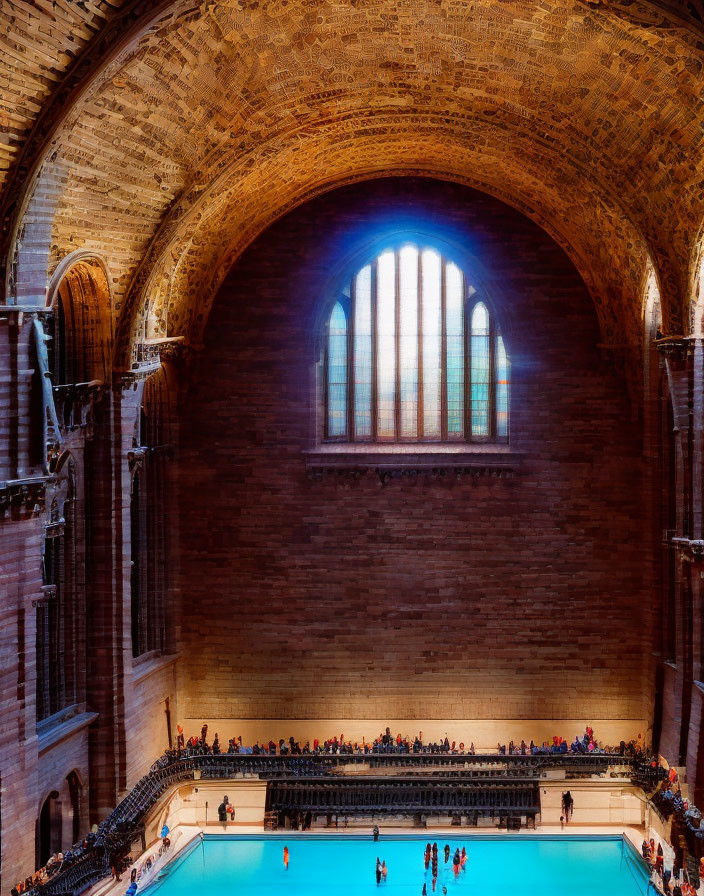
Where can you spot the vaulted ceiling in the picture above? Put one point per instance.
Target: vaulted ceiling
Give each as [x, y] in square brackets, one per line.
[164, 136]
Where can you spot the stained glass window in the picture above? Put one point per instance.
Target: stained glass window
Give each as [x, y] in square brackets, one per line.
[386, 345]
[362, 353]
[337, 373]
[501, 389]
[479, 370]
[425, 365]
[432, 343]
[408, 340]
[454, 328]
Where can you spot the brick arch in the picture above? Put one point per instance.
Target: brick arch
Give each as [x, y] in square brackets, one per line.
[207, 243]
[81, 295]
[142, 142]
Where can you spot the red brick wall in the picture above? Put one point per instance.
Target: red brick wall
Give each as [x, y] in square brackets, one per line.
[423, 598]
[20, 581]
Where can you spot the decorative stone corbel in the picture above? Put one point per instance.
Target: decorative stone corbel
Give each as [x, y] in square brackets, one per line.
[136, 458]
[23, 495]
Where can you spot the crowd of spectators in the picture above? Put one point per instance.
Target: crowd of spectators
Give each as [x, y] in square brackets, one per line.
[389, 743]
[55, 864]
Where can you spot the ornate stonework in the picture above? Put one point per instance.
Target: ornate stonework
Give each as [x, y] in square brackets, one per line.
[184, 129]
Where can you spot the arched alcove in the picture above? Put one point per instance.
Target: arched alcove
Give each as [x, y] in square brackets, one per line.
[80, 350]
[50, 828]
[149, 515]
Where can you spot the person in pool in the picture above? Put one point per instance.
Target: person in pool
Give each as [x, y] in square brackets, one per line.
[378, 871]
[447, 853]
[384, 870]
[286, 857]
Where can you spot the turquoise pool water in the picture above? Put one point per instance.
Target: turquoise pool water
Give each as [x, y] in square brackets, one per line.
[345, 865]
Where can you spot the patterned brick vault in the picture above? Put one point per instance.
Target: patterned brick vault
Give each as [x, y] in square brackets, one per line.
[181, 181]
[180, 130]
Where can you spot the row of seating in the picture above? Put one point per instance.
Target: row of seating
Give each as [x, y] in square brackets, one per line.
[397, 797]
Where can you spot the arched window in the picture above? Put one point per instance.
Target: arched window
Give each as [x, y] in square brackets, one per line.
[409, 357]
[337, 372]
[149, 516]
[59, 612]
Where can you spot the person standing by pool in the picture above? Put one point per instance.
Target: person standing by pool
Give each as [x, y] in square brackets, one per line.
[286, 857]
[567, 806]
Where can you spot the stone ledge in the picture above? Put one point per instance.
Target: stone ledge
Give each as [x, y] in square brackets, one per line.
[150, 664]
[394, 460]
[60, 731]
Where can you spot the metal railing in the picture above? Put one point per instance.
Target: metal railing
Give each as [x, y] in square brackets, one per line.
[89, 863]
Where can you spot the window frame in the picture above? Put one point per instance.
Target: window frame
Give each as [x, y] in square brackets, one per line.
[471, 297]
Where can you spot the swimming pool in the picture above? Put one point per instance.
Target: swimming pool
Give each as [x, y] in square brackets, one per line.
[345, 865]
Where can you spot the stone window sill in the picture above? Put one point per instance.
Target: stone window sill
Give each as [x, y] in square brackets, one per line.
[151, 663]
[490, 459]
[57, 729]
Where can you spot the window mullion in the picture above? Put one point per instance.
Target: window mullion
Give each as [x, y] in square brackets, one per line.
[326, 397]
[443, 354]
[374, 328]
[467, 368]
[397, 346]
[420, 411]
[492, 378]
[351, 385]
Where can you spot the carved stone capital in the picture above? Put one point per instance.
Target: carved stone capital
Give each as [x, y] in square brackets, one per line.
[677, 348]
[176, 350]
[123, 380]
